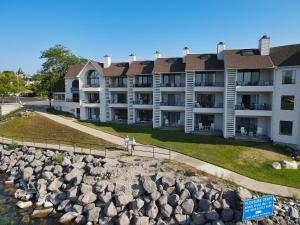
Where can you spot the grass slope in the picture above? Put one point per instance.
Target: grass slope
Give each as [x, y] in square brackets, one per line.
[39, 127]
[247, 158]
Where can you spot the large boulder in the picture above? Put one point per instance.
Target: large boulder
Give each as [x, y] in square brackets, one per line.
[24, 205]
[68, 217]
[110, 210]
[93, 214]
[41, 213]
[293, 165]
[166, 210]
[123, 199]
[188, 206]
[27, 173]
[243, 194]
[276, 165]
[123, 219]
[87, 198]
[74, 174]
[149, 185]
[152, 210]
[55, 184]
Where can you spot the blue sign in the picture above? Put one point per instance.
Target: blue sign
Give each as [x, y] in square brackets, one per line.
[258, 207]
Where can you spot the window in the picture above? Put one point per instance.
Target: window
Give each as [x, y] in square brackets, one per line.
[289, 77]
[248, 77]
[93, 79]
[119, 82]
[173, 80]
[286, 128]
[205, 79]
[287, 102]
[143, 81]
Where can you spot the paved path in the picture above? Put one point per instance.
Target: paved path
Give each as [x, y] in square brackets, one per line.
[246, 182]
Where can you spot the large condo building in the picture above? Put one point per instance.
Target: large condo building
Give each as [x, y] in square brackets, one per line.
[245, 93]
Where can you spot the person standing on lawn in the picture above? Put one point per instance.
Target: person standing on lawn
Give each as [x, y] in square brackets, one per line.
[126, 142]
[133, 143]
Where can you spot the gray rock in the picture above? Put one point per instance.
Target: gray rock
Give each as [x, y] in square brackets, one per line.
[47, 175]
[212, 215]
[87, 198]
[149, 185]
[105, 197]
[63, 205]
[168, 181]
[68, 217]
[183, 219]
[27, 173]
[191, 186]
[41, 213]
[143, 220]
[24, 205]
[184, 195]
[173, 200]
[243, 194]
[80, 219]
[199, 218]
[137, 190]
[85, 188]
[55, 184]
[198, 194]
[57, 170]
[293, 165]
[166, 210]
[155, 195]
[227, 215]
[218, 222]
[72, 193]
[73, 174]
[293, 213]
[123, 199]
[123, 219]
[110, 210]
[276, 165]
[152, 210]
[137, 204]
[93, 214]
[163, 200]
[78, 209]
[188, 206]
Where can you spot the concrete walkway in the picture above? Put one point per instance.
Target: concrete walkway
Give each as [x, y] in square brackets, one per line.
[211, 169]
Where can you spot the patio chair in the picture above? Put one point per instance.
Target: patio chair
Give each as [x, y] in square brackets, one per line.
[243, 131]
[212, 126]
[259, 131]
[166, 122]
[200, 126]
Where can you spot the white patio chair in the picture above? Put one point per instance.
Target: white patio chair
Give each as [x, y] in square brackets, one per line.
[259, 131]
[212, 126]
[200, 126]
[166, 122]
[243, 131]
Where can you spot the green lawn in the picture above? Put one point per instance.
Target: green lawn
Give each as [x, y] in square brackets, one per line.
[251, 159]
[40, 129]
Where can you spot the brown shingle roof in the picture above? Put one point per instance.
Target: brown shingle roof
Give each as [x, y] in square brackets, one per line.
[73, 71]
[288, 55]
[237, 59]
[199, 62]
[116, 69]
[169, 65]
[140, 67]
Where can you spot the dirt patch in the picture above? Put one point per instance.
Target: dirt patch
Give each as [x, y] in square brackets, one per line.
[259, 157]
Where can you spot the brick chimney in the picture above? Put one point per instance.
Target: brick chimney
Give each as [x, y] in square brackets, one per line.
[264, 45]
[220, 50]
[107, 61]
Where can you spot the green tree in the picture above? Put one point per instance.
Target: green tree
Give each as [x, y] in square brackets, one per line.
[57, 61]
[9, 84]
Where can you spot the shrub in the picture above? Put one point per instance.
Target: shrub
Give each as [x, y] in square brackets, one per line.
[12, 146]
[58, 158]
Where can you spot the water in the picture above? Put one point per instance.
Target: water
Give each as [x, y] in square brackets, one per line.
[9, 212]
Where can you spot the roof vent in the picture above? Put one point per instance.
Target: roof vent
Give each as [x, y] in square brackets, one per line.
[247, 52]
[205, 56]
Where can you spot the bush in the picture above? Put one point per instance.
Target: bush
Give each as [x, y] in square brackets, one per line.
[58, 158]
[12, 146]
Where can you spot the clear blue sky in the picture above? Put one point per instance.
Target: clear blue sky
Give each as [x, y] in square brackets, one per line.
[92, 28]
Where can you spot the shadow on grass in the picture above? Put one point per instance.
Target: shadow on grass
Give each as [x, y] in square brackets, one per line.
[181, 137]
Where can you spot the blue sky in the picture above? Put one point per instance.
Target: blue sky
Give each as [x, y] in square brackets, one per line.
[92, 28]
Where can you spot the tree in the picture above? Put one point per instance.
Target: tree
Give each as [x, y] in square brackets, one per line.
[9, 84]
[57, 61]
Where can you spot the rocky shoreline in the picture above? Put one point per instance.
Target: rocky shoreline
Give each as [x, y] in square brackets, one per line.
[89, 189]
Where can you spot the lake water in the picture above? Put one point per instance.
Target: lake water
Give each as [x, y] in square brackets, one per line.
[11, 215]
